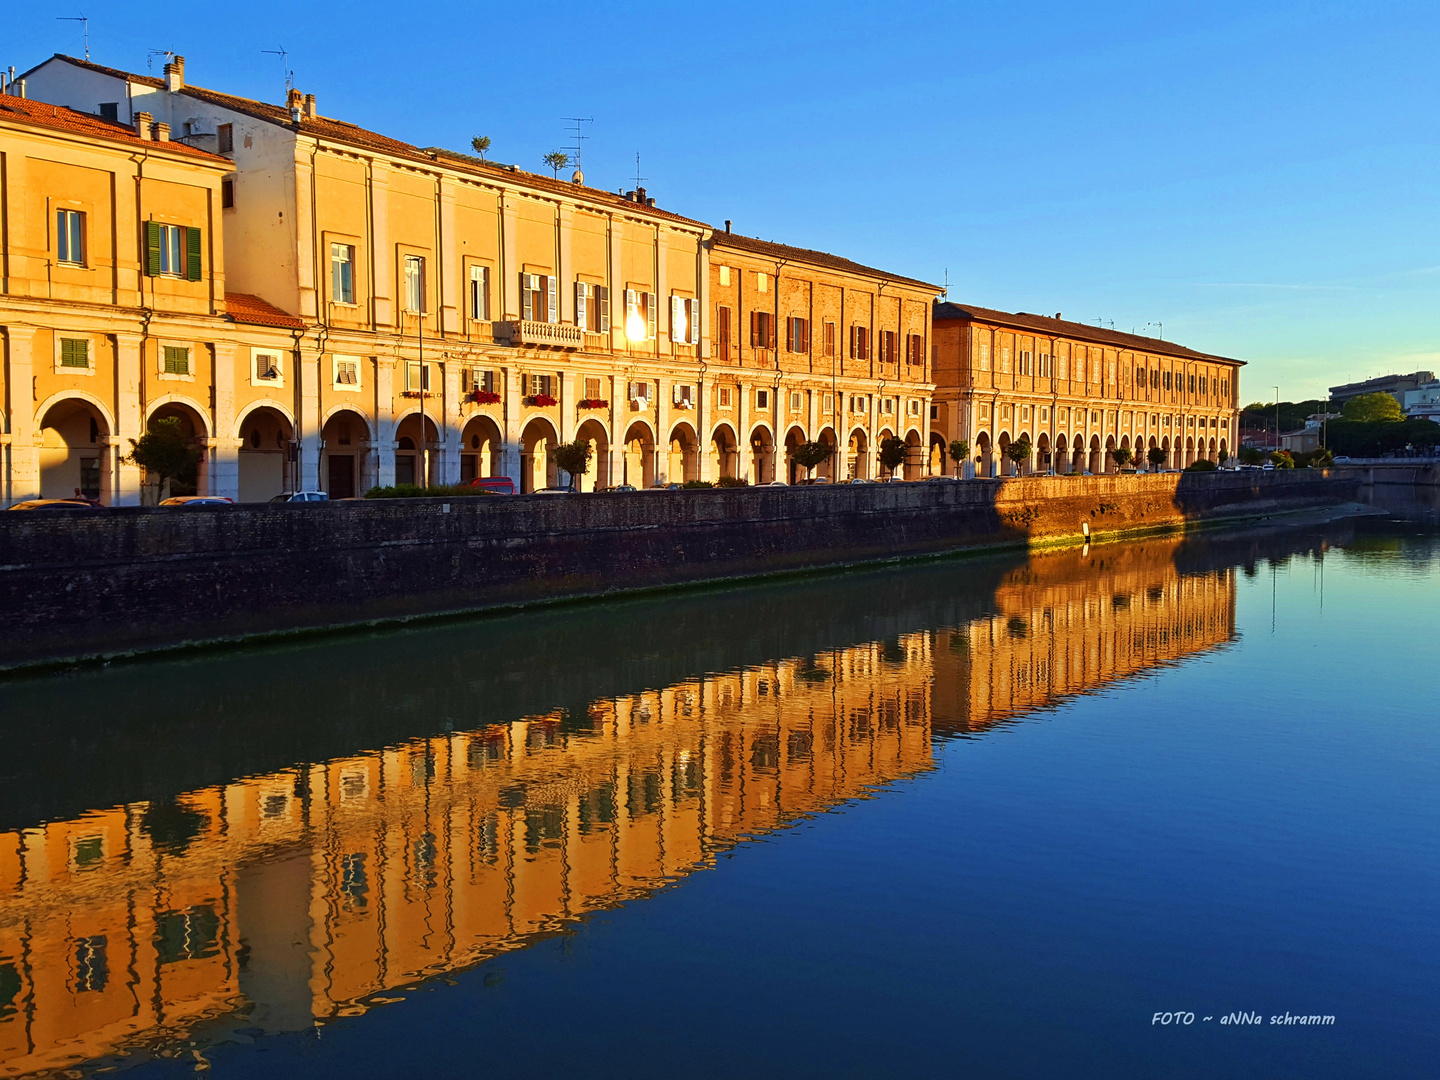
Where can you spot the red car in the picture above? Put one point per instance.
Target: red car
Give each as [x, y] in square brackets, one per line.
[498, 485]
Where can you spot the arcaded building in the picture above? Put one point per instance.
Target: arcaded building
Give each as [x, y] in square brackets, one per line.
[1076, 393]
[411, 313]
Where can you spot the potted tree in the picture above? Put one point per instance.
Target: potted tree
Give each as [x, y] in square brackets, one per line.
[574, 458]
[1019, 453]
[163, 453]
[1156, 456]
[892, 453]
[810, 454]
[959, 450]
[1123, 457]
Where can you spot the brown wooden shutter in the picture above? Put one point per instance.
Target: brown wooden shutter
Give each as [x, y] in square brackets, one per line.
[754, 329]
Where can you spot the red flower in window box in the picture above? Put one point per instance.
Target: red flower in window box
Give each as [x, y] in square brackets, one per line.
[485, 397]
[540, 400]
[594, 403]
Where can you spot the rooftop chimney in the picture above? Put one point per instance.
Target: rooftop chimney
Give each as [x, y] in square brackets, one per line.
[727, 224]
[19, 85]
[143, 120]
[1057, 316]
[640, 195]
[308, 109]
[293, 100]
[162, 131]
[175, 74]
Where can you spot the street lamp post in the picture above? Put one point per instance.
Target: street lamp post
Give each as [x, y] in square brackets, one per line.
[1277, 419]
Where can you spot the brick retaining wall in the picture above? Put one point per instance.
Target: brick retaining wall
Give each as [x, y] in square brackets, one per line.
[134, 579]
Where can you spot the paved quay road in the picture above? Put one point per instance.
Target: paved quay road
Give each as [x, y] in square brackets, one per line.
[1136, 809]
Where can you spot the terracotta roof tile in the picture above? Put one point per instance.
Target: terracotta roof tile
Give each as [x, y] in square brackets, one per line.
[245, 308]
[1042, 324]
[772, 250]
[43, 114]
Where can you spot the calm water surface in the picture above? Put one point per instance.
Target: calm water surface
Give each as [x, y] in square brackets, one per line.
[983, 818]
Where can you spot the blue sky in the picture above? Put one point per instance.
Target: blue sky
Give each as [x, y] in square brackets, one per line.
[1260, 179]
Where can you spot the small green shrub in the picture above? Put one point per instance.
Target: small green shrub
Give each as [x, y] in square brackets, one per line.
[732, 481]
[414, 491]
[1201, 465]
[697, 484]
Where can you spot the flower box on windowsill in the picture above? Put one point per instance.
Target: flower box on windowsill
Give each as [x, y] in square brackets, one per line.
[593, 403]
[484, 397]
[416, 393]
[540, 401]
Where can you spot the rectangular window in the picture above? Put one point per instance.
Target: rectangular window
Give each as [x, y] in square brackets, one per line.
[347, 373]
[684, 396]
[1061, 369]
[916, 350]
[225, 139]
[725, 397]
[797, 401]
[638, 391]
[889, 353]
[70, 237]
[887, 405]
[592, 389]
[1191, 383]
[110, 110]
[762, 399]
[762, 330]
[797, 335]
[723, 326]
[542, 384]
[914, 408]
[417, 377]
[684, 321]
[177, 360]
[829, 403]
[483, 381]
[859, 342]
[592, 308]
[227, 194]
[415, 284]
[480, 293]
[75, 352]
[725, 275]
[172, 250]
[982, 348]
[342, 273]
[829, 339]
[267, 367]
[762, 283]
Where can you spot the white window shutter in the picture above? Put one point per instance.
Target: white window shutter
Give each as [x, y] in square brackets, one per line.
[552, 295]
[675, 395]
[580, 291]
[602, 294]
[651, 305]
[632, 306]
[678, 329]
[527, 299]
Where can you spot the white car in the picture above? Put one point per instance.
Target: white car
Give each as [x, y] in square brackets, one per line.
[301, 496]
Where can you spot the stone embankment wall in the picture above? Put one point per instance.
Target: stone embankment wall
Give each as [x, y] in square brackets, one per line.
[134, 579]
[1392, 471]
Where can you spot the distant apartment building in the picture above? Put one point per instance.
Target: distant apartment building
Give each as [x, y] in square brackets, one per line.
[1423, 403]
[369, 312]
[1075, 393]
[1397, 386]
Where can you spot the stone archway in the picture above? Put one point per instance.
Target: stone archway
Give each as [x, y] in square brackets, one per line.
[194, 429]
[724, 452]
[1189, 451]
[1043, 459]
[593, 432]
[936, 463]
[1165, 445]
[984, 454]
[914, 466]
[684, 457]
[410, 458]
[827, 468]
[1062, 454]
[537, 464]
[639, 467]
[794, 472]
[857, 455]
[1077, 453]
[482, 448]
[1109, 464]
[345, 445]
[75, 455]
[1095, 464]
[762, 455]
[1007, 467]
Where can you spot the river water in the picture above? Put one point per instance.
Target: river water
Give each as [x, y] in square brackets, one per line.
[1085, 813]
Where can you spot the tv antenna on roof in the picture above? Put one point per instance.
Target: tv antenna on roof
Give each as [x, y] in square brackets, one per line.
[1159, 327]
[84, 25]
[579, 132]
[285, 62]
[150, 55]
[945, 291]
[638, 178]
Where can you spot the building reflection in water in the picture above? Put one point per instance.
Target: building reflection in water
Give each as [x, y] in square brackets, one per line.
[274, 902]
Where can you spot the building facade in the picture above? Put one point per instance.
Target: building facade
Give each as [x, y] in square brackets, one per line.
[411, 313]
[1075, 393]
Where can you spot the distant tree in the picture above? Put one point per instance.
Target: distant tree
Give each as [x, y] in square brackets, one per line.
[1224, 456]
[1281, 459]
[1201, 465]
[480, 144]
[809, 454]
[1373, 409]
[1322, 458]
[1019, 451]
[1156, 456]
[557, 160]
[163, 452]
[731, 482]
[892, 453]
[1124, 456]
[574, 458]
[959, 450]
[1250, 456]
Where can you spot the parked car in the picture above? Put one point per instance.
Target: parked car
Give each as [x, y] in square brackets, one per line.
[1269, 466]
[857, 480]
[940, 479]
[665, 487]
[499, 485]
[56, 504]
[555, 491]
[624, 487]
[775, 483]
[197, 501]
[814, 480]
[1342, 459]
[301, 496]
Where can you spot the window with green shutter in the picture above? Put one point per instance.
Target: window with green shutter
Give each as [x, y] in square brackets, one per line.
[152, 248]
[74, 352]
[192, 254]
[173, 251]
[177, 360]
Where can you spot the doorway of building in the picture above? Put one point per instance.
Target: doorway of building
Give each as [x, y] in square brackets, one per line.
[342, 476]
